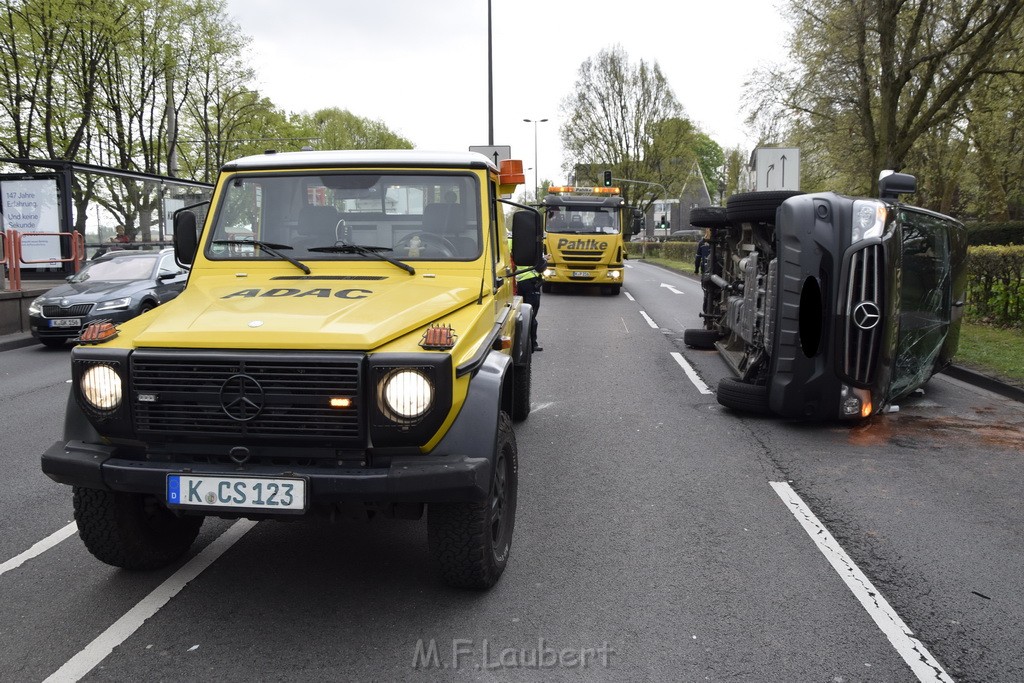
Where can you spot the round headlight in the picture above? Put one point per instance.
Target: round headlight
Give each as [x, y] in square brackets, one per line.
[408, 393]
[101, 387]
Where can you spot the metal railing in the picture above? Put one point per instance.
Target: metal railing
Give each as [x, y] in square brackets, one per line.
[13, 256]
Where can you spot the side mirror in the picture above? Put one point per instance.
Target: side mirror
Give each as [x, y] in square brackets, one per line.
[892, 185]
[186, 237]
[638, 221]
[527, 247]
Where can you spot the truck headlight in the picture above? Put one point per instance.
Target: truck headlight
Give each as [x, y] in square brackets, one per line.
[613, 274]
[101, 387]
[868, 220]
[406, 394]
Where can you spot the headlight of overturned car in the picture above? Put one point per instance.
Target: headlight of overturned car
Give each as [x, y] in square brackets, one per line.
[868, 220]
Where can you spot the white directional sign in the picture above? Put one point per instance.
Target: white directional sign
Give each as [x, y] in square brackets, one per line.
[496, 153]
[776, 168]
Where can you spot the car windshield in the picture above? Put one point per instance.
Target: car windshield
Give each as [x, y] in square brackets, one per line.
[924, 296]
[317, 217]
[582, 221]
[121, 269]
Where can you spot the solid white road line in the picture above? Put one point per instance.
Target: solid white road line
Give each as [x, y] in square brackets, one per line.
[691, 373]
[96, 651]
[39, 548]
[914, 653]
[649, 321]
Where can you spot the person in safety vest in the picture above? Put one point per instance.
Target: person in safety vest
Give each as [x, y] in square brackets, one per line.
[528, 282]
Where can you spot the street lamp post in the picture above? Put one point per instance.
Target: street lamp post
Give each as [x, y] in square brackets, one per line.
[536, 184]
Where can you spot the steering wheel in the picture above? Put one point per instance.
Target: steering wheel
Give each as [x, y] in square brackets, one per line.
[428, 242]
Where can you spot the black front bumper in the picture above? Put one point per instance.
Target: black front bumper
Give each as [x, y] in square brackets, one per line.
[408, 479]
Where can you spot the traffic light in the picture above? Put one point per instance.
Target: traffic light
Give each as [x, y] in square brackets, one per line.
[607, 178]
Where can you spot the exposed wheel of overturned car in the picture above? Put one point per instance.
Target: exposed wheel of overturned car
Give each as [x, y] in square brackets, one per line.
[701, 339]
[709, 217]
[741, 396]
[756, 207]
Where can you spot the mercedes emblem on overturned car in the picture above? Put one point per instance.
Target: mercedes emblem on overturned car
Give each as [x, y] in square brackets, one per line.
[866, 315]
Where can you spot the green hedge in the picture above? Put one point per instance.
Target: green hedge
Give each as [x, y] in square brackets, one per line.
[1011, 232]
[995, 285]
[674, 251]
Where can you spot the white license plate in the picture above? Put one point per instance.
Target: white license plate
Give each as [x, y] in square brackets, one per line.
[582, 273]
[66, 322]
[250, 493]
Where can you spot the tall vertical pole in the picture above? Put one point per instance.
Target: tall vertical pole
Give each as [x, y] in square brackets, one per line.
[490, 80]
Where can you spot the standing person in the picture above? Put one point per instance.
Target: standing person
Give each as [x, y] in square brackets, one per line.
[528, 284]
[700, 263]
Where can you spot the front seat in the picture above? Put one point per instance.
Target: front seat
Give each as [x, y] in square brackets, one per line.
[447, 221]
[317, 227]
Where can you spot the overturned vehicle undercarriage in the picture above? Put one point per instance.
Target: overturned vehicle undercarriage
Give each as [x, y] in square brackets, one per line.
[827, 306]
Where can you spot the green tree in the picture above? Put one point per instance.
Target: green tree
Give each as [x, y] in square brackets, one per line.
[873, 78]
[627, 118]
[335, 128]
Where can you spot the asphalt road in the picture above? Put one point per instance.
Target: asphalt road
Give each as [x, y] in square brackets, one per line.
[659, 537]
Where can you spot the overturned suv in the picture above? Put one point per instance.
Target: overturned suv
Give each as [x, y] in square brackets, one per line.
[827, 306]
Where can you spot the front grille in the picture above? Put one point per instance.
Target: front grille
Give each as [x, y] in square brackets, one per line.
[582, 256]
[864, 310]
[247, 396]
[76, 311]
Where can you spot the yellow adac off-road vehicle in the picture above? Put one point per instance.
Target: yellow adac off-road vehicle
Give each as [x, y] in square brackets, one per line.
[349, 342]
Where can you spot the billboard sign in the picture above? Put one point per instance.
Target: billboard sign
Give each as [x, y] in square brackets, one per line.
[31, 206]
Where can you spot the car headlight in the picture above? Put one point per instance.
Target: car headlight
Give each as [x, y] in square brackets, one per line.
[36, 307]
[868, 220]
[114, 304]
[406, 394]
[101, 387]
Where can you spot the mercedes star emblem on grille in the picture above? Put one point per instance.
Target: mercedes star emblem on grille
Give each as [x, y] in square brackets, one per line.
[866, 315]
[241, 398]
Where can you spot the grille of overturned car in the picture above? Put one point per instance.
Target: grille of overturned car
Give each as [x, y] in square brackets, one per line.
[863, 308]
[55, 311]
[253, 396]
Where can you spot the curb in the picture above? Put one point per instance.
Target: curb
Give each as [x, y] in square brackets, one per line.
[16, 341]
[982, 381]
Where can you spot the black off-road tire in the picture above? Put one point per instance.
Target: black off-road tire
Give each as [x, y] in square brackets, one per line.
[470, 542]
[701, 339]
[756, 207]
[132, 531]
[744, 397]
[709, 217]
[521, 381]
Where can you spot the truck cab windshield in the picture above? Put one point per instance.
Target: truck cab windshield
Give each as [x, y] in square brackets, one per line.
[409, 217]
[582, 221]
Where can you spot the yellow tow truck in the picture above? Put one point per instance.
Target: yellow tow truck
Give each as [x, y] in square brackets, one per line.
[349, 343]
[583, 228]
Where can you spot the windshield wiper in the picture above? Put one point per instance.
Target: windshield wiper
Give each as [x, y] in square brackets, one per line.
[272, 249]
[343, 247]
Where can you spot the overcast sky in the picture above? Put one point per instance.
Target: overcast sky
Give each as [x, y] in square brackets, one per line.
[420, 66]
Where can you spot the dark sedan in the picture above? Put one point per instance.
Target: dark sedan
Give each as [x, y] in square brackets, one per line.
[117, 286]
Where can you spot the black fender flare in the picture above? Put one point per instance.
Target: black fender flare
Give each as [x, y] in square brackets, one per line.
[490, 393]
[521, 349]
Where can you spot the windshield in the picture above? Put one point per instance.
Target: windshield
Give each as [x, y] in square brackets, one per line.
[123, 269]
[598, 221]
[433, 217]
[924, 296]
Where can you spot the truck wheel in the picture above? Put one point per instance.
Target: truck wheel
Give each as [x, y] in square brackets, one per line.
[469, 542]
[616, 289]
[747, 398]
[521, 380]
[701, 339]
[546, 287]
[131, 531]
[756, 207]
